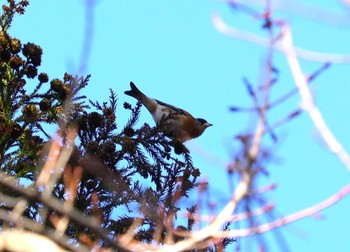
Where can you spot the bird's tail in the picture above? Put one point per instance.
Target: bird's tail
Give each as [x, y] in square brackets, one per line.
[134, 92]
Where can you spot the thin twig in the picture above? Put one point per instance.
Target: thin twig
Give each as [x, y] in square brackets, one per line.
[295, 90]
[233, 218]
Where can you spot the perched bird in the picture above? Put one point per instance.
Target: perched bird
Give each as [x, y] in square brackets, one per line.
[174, 122]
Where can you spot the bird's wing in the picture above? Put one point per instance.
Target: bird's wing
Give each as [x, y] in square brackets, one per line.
[173, 108]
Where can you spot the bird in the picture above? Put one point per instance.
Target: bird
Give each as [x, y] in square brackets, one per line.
[174, 122]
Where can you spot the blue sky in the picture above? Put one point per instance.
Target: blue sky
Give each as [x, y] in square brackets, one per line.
[171, 50]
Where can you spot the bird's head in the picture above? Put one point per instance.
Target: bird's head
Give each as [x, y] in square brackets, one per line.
[202, 123]
[193, 130]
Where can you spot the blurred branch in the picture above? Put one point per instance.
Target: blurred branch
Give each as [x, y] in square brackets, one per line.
[19, 241]
[294, 91]
[308, 212]
[235, 217]
[301, 8]
[308, 103]
[222, 27]
[223, 217]
[88, 35]
[33, 226]
[54, 166]
[72, 177]
[286, 96]
[194, 238]
[57, 206]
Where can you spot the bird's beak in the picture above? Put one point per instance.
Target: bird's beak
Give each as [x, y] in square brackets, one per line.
[208, 125]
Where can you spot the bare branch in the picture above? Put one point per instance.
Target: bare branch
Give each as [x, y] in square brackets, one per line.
[216, 225]
[236, 217]
[56, 205]
[222, 27]
[308, 103]
[24, 241]
[307, 212]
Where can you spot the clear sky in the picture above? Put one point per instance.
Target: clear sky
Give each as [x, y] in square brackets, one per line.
[171, 50]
